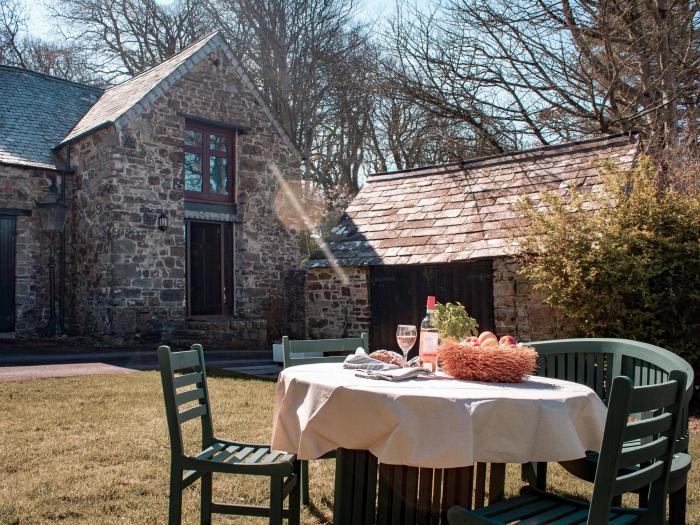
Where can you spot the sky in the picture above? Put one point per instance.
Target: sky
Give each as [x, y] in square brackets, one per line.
[40, 19]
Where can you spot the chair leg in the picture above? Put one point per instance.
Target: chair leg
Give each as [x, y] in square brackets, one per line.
[676, 507]
[644, 499]
[276, 501]
[295, 498]
[206, 499]
[175, 505]
[304, 480]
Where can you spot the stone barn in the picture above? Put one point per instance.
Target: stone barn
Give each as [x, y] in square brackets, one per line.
[169, 181]
[448, 231]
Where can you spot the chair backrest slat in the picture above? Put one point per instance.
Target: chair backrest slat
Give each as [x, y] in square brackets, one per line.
[648, 397]
[292, 349]
[638, 454]
[632, 456]
[182, 360]
[194, 378]
[189, 396]
[191, 413]
[648, 427]
[190, 364]
[639, 478]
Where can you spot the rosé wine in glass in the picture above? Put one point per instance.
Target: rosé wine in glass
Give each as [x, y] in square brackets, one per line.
[406, 337]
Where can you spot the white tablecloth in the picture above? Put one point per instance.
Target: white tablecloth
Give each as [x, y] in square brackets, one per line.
[435, 423]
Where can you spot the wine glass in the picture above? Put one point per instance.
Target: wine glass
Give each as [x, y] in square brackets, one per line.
[406, 337]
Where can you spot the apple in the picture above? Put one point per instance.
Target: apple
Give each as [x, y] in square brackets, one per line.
[487, 335]
[507, 340]
[489, 341]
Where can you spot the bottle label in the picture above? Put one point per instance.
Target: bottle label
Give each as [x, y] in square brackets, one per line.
[428, 343]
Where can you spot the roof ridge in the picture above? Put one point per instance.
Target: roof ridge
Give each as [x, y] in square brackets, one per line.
[206, 44]
[506, 156]
[172, 57]
[53, 77]
[454, 213]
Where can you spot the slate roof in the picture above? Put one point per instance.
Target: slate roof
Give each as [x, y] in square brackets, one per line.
[134, 94]
[36, 112]
[40, 113]
[461, 210]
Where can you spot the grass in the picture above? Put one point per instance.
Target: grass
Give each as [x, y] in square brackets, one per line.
[95, 450]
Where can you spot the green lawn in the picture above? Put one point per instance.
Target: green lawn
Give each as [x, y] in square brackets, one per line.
[95, 450]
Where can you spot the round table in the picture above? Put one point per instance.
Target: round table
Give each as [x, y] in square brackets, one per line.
[407, 451]
[434, 423]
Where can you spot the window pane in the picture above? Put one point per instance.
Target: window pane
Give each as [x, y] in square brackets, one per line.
[193, 172]
[193, 138]
[217, 142]
[218, 175]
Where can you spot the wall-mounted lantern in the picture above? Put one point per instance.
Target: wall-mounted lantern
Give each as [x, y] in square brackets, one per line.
[52, 212]
[162, 222]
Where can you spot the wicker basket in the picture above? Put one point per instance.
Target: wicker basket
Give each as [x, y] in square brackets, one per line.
[495, 364]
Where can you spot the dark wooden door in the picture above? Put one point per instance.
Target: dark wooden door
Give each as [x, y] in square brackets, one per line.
[205, 261]
[7, 274]
[398, 295]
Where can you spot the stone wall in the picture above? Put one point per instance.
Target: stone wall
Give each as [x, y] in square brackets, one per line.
[519, 309]
[337, 309]
[130, 277]
[19, 189]
[337, 302]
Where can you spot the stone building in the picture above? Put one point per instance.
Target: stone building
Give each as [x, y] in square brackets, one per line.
[170, 180]
[450, 231]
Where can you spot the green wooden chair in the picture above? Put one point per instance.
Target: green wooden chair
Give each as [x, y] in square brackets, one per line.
[594, 362]
[341, 348]
[634, 454]
[187, 399]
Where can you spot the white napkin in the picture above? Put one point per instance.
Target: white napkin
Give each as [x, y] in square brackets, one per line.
[361, 361]
[398, 374]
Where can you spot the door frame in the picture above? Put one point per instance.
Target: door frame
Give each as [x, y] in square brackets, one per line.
[222, 276]
[11, 215]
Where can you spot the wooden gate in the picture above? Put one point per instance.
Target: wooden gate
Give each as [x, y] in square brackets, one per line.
[398, 294]
[7, 273]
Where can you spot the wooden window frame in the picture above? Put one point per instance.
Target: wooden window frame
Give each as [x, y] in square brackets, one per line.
[206, 195]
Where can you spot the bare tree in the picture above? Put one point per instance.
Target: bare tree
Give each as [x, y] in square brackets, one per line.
[17, 48]
[403, 134]
[309, 60]
[126, 37]
[543, 70]
[12, 21]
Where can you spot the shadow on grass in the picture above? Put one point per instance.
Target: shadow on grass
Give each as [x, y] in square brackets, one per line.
[322, 517]
[220, 372]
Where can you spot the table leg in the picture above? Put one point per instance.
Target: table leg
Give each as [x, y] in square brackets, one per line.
[342, 499]
[497, 482]
[355, 487]
[406, 495]
[480, 489]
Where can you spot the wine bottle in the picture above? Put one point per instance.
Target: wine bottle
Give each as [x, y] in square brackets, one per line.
[427, 348]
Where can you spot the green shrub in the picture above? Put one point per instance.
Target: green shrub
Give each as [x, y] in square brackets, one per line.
[453, 321]
[623, 262]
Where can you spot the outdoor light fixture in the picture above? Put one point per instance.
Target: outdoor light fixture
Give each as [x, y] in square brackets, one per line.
[162, 222]
[52, 212]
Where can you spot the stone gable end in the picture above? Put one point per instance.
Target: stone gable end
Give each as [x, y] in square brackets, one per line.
[129, 278]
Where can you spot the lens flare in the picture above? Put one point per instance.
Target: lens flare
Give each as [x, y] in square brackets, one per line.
[299, 206]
